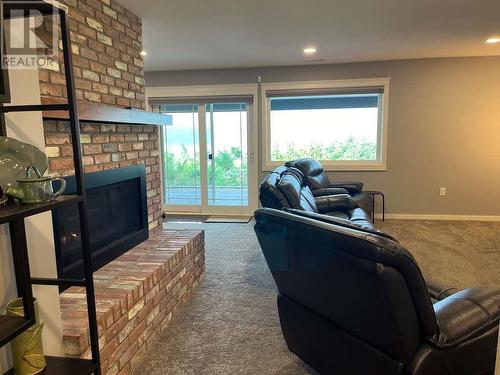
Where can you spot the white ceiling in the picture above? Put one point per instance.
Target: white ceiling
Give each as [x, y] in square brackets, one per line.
[199, 34]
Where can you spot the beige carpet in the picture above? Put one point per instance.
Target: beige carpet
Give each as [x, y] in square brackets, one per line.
[455, 253]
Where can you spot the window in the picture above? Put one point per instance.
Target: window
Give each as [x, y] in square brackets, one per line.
[340, 123]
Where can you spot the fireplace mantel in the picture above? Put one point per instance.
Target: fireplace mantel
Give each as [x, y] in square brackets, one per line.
[90, 112]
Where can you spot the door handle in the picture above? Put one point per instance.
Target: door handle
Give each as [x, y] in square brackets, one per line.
[210, 157]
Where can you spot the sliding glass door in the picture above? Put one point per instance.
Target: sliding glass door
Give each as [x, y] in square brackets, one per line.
[205, 157]
[181, 157]
[227, 165]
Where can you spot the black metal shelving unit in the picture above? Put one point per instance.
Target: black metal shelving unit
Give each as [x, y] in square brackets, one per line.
[14, 215]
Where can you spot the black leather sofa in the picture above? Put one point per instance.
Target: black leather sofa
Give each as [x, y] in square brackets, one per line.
[320, 185]
[286, 187]
[352, 301]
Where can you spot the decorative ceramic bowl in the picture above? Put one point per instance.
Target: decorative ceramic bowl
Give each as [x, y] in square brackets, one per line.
[15, 158]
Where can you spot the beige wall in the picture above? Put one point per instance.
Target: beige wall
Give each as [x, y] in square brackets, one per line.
[444, 128]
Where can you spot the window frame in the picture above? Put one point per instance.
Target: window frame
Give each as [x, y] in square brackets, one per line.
[380, 164]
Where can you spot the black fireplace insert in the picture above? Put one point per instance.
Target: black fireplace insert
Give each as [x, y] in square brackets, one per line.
[117, 215]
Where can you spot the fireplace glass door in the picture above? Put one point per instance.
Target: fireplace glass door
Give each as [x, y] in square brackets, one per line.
[205, 157]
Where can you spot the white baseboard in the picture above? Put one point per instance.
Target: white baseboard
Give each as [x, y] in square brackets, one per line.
[183, 213]
[439, 217]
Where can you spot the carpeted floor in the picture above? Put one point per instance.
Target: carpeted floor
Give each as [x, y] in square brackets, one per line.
[230, 326]
[455, 253]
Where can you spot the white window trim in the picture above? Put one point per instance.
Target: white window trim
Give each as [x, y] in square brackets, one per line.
[222, 90]
[377, 165]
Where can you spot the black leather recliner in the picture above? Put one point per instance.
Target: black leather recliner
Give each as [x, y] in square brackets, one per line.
[320, 184]
[354, 302]
[287, 188]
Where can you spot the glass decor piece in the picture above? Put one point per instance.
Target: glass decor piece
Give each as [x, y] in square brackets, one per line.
[15, 158]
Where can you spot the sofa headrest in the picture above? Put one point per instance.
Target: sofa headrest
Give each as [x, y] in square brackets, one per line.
[290, 184]
[273, 177]
[295, 173]
[294, 188]
[279, 170]
[313, 172]
[269, 194]
[308, 166]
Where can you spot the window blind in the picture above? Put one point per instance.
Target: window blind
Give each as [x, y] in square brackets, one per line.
[359, 97]
[203, 100]
[325, 102]
[325, 92]
[189, 108]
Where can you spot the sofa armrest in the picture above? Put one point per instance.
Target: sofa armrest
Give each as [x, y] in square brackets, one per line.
[465, 315]
[356, 225]
[330, 203]
[353, 187]
[329, 191]
[438, 291]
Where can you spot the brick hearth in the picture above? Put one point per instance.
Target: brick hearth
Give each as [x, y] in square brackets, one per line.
[136, 297]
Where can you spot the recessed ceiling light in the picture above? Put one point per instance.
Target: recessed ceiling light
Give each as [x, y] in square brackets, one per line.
[493, 40]
[143, 53]
[310, 50]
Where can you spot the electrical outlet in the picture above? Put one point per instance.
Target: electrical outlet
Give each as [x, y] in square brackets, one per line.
[442, 192]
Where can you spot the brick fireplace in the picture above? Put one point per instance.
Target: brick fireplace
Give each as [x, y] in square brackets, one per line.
[138, 293]
[108, 146]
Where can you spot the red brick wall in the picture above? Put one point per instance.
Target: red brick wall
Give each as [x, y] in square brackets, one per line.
[108, 67]
[106, 41]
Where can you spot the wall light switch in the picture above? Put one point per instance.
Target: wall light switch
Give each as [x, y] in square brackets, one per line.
[442, 192]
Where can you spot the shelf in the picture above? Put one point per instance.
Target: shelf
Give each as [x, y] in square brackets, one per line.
[56, 109]
[58, 282]
[75, 366]
[65, 366]
[15, 211]
[34, 108]
[11, 326]
[90, 112]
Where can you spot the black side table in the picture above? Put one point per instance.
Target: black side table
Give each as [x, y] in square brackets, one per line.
[373, 194]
